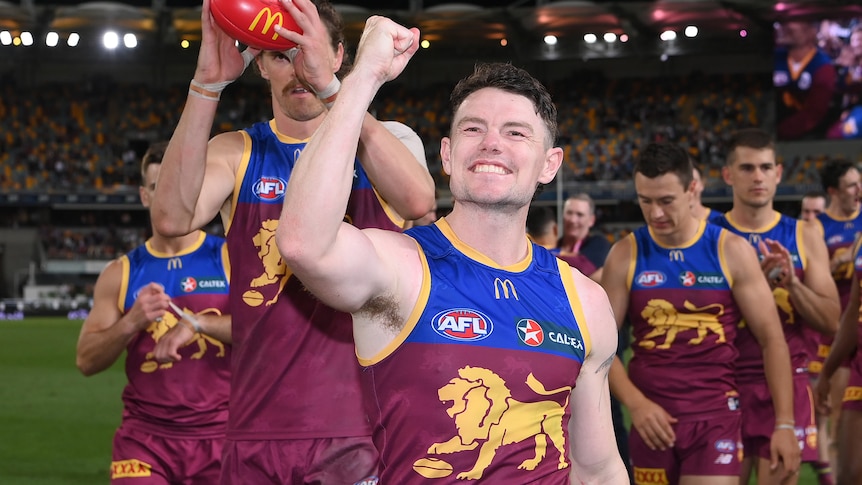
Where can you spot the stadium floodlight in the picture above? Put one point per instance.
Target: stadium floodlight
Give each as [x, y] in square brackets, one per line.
[425, 43]
[110, 40]
[504, 42]
[185, 44]
[624, 38]
[743, 33]
[5, 38]
[550, 39]
[130, 41]
[52, 39]
[668, 35]
[691, 31]
[610, 37]
[590, 38]
[73, 39]
[26, 38]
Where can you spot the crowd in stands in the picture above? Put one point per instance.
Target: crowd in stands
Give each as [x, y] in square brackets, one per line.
[90, 136]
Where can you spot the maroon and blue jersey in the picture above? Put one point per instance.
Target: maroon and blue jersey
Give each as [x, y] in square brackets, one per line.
[787, 231]
[684, 321]
[477, 383]
[840, 234]
[805, 89]
[188, 398]
[295, 372]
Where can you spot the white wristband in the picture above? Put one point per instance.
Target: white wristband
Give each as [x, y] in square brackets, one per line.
[330, 90]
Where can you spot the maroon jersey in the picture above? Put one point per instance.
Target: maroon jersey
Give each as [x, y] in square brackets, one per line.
[188, 398]
[295, 374]
[684, 321]
[749, 366]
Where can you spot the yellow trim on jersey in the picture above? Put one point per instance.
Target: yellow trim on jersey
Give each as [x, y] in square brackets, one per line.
[388, 210]
[701, 227]
[800, 243]
[282, 137]
[852, 216]
[479, 257]
[225, 259]
[124, 283]
[240, 175]
[633, 261]
[722, 258]
[188, 250]
[575, 302]
[412, 320]
[776, 218]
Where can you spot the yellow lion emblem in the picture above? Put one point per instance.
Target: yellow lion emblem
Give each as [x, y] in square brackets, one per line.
[485, 412]
[782, 300]
[274, 269]
[667, 321]
[158, 330]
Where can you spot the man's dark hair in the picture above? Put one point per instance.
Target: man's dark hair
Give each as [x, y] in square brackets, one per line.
[813, 194]
[154, 155]
[748, 138]
[658, 159]
[513, 80]
[832, 171]
[539, 220]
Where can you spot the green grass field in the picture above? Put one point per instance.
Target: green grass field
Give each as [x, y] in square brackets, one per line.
[56, 425]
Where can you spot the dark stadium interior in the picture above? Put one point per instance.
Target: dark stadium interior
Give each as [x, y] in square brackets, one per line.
[74, 121]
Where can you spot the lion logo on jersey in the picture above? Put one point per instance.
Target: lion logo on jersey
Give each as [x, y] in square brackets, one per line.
[274, 269]
[667, 321]
[485, 413]
[782, 301]
[158, 329]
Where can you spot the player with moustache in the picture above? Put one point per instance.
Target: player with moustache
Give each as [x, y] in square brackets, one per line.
[685, 297]
[174, 413]
[462, 382]
[796, 263]
[296, 412]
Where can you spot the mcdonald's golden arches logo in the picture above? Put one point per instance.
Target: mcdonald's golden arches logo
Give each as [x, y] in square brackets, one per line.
[677, 255]
[505, 285]
[175, 263]
[754, 239]
[271, 19]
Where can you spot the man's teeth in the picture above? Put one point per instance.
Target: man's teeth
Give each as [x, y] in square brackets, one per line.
[490, 169]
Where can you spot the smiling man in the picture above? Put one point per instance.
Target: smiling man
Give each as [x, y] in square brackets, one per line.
[480, 361]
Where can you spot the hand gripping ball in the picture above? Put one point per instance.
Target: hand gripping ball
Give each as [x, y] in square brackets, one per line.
[253, 22]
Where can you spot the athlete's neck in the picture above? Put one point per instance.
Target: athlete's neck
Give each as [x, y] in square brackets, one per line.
[835, 211]
[494, 235]
[753, 218]
[684, 234]
[171, 246]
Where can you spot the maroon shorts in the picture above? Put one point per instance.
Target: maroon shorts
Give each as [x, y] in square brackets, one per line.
[758, 418]
[853, 393]
[326, 461]
[710, 447]
[141, 458]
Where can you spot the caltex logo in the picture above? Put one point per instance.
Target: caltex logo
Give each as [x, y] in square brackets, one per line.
[189, 284]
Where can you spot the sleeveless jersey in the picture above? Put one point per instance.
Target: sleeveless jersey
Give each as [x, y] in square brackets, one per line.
[840, 235]
[478, 381]
[749, 366]
[295, 374]
[713, 215]
[793, 85]
[188, 398]
[856, 359]
[684, 322]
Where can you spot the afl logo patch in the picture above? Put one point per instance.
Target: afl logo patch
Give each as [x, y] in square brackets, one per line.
[270, 188]
[651, 278]
[530, 332]
[462, 324]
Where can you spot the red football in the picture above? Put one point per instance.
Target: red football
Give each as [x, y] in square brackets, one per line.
[252, 22]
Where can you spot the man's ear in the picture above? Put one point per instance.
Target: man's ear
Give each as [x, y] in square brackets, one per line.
[444, 155]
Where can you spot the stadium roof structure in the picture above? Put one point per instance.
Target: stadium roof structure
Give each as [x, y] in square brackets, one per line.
[513, 28]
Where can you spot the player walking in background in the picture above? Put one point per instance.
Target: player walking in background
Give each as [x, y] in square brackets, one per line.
[685, 298]
[813, 204]
[842, 225]
[579, 217]
[479, 360]
[296, 407]
[698, 210]
[846, 346]
[542, 229]
[795, 260]
[174, 414]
